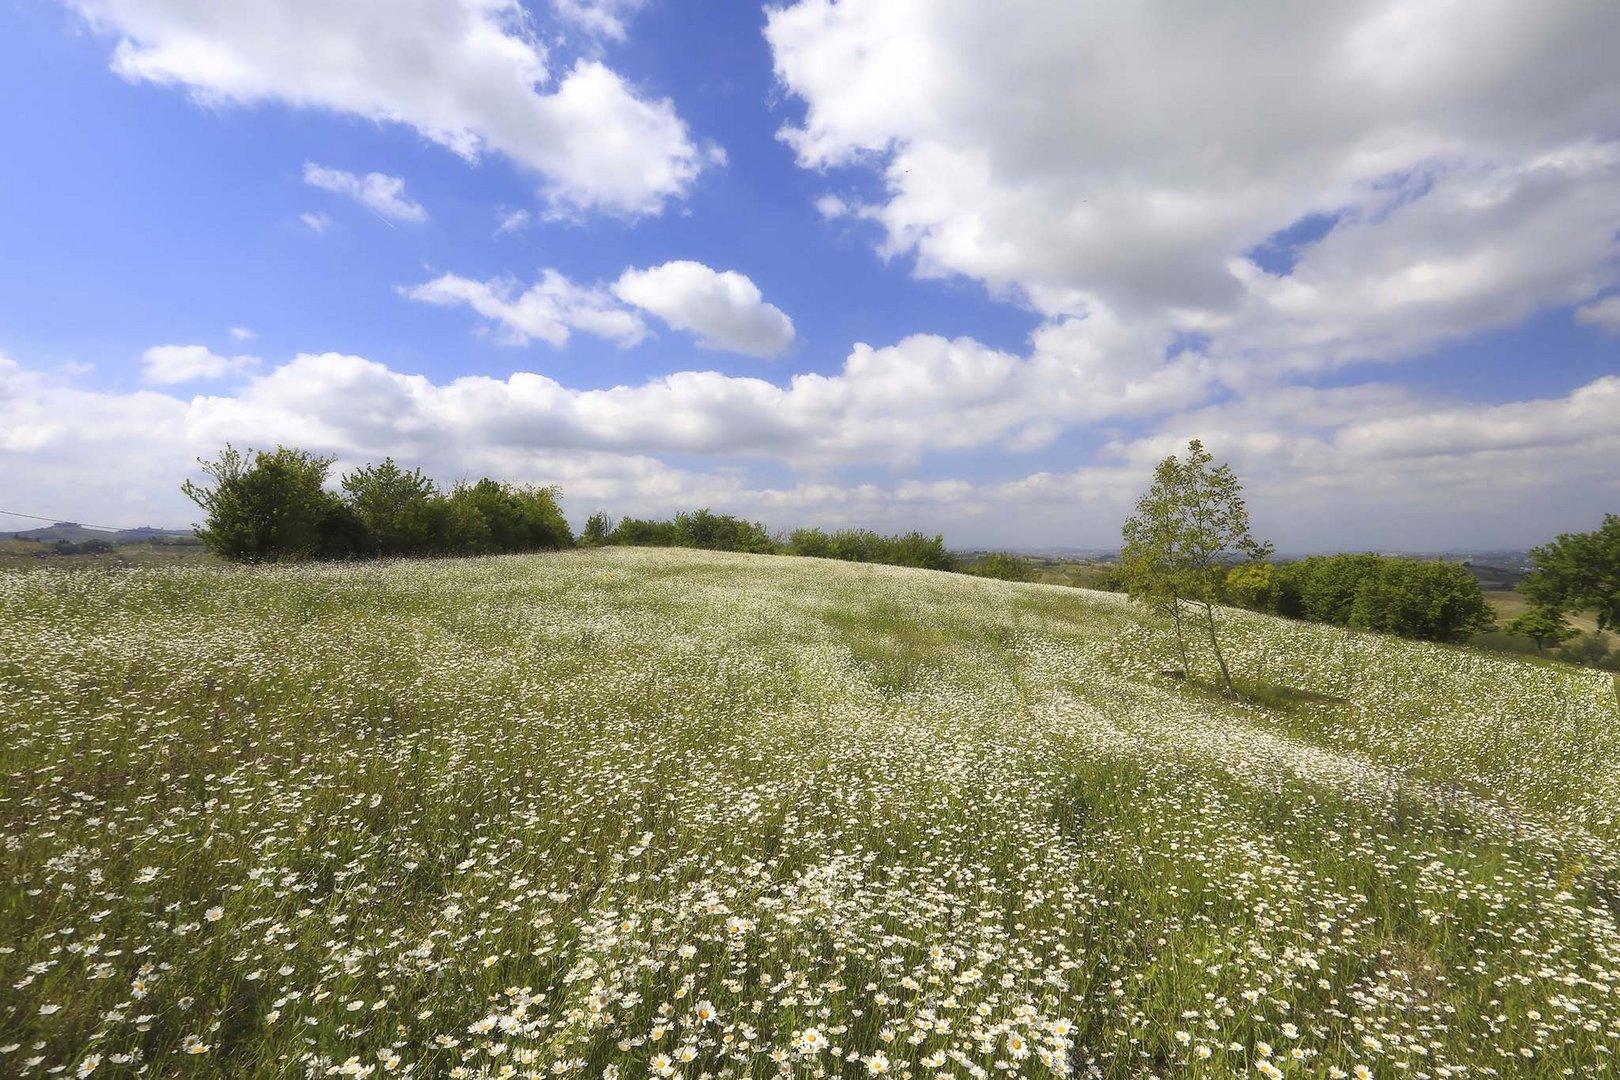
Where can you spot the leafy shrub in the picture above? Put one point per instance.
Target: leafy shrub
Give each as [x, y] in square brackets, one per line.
[1002, 565]
[1254, 585]
[1427, 600]
[265, 506]
[1588, 650]
[1413, 598]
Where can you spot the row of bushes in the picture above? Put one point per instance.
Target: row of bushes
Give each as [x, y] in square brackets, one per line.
[1423, 599]
[1413, 598]
[274, 506]
[723, 532]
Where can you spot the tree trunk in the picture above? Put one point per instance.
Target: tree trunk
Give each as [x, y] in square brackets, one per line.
[1214, 643]
[1181, 638]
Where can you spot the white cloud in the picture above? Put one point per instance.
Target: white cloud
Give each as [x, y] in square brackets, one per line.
[165, 364]
[549, 310]
[316, 221]
[1482, 248]
[1352, 467]
[723, 308]
[1603, 314]
[512, 221]
[885, 405]
[1466, 151]
[241, 333]
[468, 74]
[603, 18]
[378, 192]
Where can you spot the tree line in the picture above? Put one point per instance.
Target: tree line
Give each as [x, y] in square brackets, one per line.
[1424, 599]
[274, 506]
[723, 532]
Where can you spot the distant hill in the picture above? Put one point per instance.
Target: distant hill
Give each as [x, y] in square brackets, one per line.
[74, 533]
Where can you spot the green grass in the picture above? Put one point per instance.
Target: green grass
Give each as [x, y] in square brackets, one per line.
[1509, 604]
[608, 810]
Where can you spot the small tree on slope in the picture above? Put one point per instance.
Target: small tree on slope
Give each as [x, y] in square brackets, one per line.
[1177, 544]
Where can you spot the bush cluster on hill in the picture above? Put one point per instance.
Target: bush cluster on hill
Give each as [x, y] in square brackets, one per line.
[723, 532]
[273, 506]
[864, 545]
[1413, 598]
[698, 529]
[1003, 566]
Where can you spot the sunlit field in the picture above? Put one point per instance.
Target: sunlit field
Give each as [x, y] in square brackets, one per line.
[667, 813]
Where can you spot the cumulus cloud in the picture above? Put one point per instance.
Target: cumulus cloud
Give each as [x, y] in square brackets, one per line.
[723, 308]
[550, 310]
[1482, 248]
[1460, 156]
[467, 74]
[315, 221]
[378, 192]
[166, 364]
[1603, 314]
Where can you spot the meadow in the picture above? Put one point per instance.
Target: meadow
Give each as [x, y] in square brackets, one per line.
[630, 812]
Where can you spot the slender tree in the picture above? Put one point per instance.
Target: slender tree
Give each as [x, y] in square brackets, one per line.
[1185, 530]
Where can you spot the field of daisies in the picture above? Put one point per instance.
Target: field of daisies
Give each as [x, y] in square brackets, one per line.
[634, 813]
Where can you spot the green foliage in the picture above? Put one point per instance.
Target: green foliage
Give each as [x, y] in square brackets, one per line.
[1426, 600]
[1542, 625]
[1580, 570]
[515, 518]
[598, 528]
[266, 506]
[270, 507]
[1177, 543]
[397, 508]
[1002, 565]
[865, 545]
[724, 532]
[721, 532]
[1588, 650]
[1254, 585]
[812, 543]
[644, 532]
[1323, 588]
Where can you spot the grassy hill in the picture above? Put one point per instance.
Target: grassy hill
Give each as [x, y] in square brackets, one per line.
[675, 813]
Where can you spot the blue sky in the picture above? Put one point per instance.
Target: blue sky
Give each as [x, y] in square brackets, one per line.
[898, 264]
